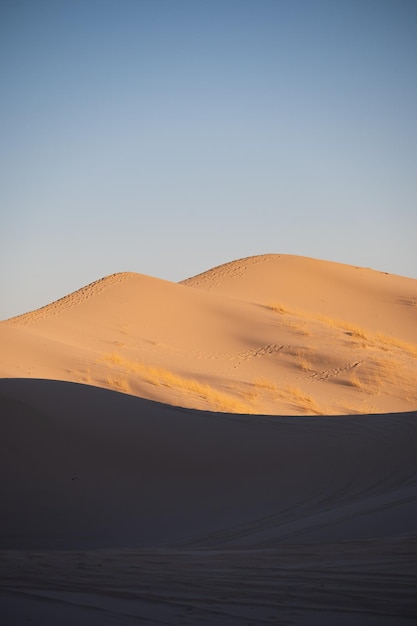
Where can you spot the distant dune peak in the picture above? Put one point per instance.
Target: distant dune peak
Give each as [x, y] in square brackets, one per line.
[229, 269]
[285, 262]
[71, 300]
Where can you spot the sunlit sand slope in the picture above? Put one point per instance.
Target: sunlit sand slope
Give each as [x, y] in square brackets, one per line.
[375, 301]
[273, 334]
[166, 515]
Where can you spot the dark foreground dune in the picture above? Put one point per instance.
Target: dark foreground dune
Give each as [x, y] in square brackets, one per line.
[118, 510]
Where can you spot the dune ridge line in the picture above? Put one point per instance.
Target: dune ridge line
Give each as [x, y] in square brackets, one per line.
[71, 300]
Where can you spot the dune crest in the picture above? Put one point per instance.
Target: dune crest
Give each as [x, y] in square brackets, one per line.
[373, 299]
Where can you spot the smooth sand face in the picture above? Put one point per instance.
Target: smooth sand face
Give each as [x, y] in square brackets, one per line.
[273, 334]
[119, 510]
[125, 508]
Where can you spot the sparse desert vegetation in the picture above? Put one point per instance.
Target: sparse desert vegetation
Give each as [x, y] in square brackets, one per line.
[238, 400]
[380, 375]
[368, 339]
[303, 401]
[355, 381]
[387, 342]
[264, 383]
[305, 364]
[219, 400]
[289, 395]
[281, 308]
[298, 327]
[118, 383]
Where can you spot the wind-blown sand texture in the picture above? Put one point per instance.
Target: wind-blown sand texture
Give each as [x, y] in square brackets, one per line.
[240, 448]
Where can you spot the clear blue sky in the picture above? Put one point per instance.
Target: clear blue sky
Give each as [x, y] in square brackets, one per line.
[169, 136]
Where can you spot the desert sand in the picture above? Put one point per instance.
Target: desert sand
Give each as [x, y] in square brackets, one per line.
[239, 448]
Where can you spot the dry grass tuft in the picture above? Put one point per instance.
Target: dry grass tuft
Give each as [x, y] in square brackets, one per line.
[380, 374]
[392, 371]
[356, 382]
[298, 327]
[303, 401]
[305, 365]
[251, 395]
[86, 377]
[388, 342]
[294, 351]
[264, 383]
[114, 358]
[118, 383]
[293, 396]
[280, 308]
[353, 330]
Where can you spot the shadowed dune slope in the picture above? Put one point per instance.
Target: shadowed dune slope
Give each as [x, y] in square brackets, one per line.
[86, 467]
[120, 511]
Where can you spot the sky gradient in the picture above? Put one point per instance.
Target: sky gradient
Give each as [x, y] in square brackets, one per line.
[168, 136]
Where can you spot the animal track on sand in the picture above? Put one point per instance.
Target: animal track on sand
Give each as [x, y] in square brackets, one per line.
[326, 374]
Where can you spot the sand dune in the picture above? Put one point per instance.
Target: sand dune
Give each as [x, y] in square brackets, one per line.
[152, 469]
[274, 334]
